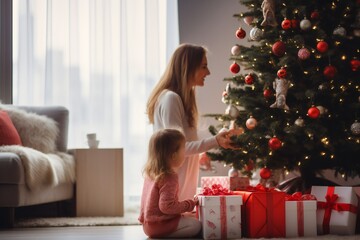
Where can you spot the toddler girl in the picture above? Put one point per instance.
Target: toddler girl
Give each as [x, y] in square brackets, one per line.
[160, 212]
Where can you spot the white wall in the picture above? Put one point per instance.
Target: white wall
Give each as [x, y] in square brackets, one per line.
[211, 23]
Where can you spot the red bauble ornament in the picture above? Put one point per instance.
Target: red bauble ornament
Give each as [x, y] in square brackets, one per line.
[315, 15]
[295, 23]
[275, 143]
[249, 166]
[355, 65]
[249, 79]
[313, 112]
[234, 68]
[322, 46]
[286, 24]
[240, 33]
[265, 173]
[282, 72]
[329, 72]
[267, 93]
[278, 49]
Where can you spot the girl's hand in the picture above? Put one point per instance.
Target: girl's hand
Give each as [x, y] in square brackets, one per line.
[223, 139]
[196, 200]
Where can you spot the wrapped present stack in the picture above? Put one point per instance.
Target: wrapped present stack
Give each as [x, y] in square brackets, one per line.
[261, 212]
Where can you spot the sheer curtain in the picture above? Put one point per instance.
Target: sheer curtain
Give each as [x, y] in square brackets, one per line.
[100, 59]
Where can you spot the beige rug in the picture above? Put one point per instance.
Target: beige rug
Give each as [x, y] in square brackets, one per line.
[77, 221]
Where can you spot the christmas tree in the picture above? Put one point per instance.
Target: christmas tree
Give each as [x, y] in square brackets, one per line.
[292, 97]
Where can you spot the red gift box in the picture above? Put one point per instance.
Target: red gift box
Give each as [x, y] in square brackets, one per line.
[263, 212]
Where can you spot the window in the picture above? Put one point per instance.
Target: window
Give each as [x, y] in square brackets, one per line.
[100, 59]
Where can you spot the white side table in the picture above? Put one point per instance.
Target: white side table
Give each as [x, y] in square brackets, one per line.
[99, 182]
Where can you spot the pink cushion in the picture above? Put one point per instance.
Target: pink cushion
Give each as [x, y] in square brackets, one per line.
[8, 133]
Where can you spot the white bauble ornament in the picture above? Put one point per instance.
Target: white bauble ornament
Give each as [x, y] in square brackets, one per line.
[305, 24]
[235, 50]
[233, 172]
[255, 34]
[322, 110]
[299, 122]
[248, 20]
[232, 111]
[340, 31]
[355, 128]
[251, 123]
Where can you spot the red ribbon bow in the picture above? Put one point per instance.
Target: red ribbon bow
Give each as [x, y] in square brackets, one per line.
[260, 188]
[216, 190]
[298, 196]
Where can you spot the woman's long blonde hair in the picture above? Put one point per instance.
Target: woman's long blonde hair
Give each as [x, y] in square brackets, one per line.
[162, 145]
[184, 62]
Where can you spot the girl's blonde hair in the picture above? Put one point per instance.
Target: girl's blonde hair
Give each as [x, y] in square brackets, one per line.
[184, 62]
[162, 145]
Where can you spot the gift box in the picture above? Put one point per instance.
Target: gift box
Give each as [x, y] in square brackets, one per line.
[336, 209]
[263, 212]
[300, 215]
[220, 216]
[232, 183]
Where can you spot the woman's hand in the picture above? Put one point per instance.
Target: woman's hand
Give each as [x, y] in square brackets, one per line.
[196, 200]
[223, 139]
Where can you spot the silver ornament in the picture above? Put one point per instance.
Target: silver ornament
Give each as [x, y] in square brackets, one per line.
[322, 110]
[232, 111]
[299, 122]
[305, 24]
[233, 172]
[340, 31]
[255, 34]
[235, 50]
[355, 128]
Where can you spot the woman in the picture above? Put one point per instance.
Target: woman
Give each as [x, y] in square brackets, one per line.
[172, 104]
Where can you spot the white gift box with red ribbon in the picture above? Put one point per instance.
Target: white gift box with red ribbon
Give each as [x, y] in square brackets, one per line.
[336, 209]
[300, 218]
[220, 216]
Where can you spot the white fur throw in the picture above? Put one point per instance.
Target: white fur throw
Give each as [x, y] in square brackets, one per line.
[36, 131]
[44, 169]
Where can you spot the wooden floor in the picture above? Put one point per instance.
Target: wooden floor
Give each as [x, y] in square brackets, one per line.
[75, 233]
[134, 232]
